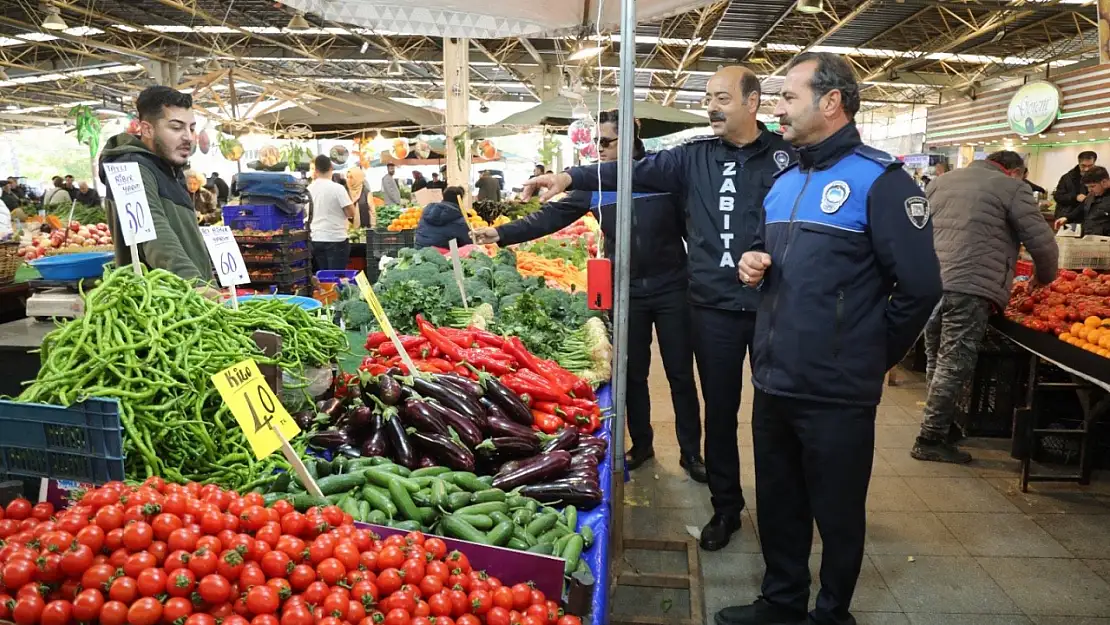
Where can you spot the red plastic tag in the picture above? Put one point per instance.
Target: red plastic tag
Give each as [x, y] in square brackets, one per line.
[599, 283]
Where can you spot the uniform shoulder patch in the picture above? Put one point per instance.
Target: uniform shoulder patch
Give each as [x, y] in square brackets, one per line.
[878, 156]
[782, 159]
[918, 211]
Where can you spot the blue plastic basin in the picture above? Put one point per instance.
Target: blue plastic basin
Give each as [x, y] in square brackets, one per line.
[306, 303]
[72, 266]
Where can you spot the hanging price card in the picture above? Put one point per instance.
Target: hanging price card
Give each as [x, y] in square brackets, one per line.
[224, 251]
[261, 416]
[383, 320]
[129, 196]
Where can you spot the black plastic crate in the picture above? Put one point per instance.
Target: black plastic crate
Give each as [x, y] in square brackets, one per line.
[281, 275]
[267, 255]
[283, 237]
[996, 389]
[380, 244]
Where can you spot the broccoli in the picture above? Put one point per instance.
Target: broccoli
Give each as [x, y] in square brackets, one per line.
[406, 257]
[505, 257]
[556, 302]
[451, 296]
[431, 256]
[508, 301]
[423, 273]
[475, 262]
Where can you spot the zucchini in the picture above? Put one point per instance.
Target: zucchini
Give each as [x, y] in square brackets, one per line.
[281, 483]
[487, 480]
[426, 515]
[500, 517]
[570, 515]
[304, 501]
[550, 536]
[571, 553]
[395, 469]
[544, 549]
[467, 481]
[490, 495]
[363, 510]
[479, 521]
[461, 529]
[408, 526]
[403, 500]
[587, 533]
[430, 472]
[380, 461]
[485, 508]
[500, 534]
[379, 500]
[517, 544]
[335, 498]
[523, 517]
[517, 501]
[341, 483]
[377, 477]
[349, 505]
[523, 536]
[423, 498]
[541, 524]
[272, 498]
[377, 517]
[458, 500]
[439, 493]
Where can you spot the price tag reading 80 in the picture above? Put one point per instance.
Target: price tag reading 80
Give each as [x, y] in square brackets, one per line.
[129, 197]
[255, 408]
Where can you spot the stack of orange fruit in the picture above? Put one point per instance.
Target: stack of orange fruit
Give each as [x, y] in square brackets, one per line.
[1092, 335]
[407, 220]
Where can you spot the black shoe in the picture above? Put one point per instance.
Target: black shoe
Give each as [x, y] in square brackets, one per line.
[636, 457]
[719, 531]
[931, 450]
[695, 468]
[760, 613]
[955, 434]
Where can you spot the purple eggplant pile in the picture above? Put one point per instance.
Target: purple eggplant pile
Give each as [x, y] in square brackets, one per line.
[450, 421]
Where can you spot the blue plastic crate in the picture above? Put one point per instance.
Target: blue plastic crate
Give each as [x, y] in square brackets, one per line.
[266, 217]
[335, 276]
[83, 442]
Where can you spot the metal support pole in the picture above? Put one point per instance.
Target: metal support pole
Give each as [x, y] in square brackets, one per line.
[625, 130]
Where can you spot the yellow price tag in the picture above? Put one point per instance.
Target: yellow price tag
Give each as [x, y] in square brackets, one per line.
[383, 321]
[255, 407]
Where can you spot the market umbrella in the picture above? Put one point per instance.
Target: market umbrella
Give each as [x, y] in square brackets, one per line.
[332, 118]
[656, 120]
[488, 19]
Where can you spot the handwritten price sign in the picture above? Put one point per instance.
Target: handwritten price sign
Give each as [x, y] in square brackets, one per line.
[129, 196]
[254, 406]
[224, 251]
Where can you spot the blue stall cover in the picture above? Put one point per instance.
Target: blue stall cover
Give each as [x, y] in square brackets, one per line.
[600, 518]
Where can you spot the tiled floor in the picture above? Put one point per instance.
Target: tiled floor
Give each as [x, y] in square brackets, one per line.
[950, 545]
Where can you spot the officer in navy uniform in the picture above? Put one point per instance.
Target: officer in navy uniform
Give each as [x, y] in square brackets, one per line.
[721, 181]
[849, 277]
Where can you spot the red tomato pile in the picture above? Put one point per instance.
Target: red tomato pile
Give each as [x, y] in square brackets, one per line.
[1073, 296]
[166, 554]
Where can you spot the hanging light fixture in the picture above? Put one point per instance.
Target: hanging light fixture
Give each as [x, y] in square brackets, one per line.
[585, 52]
[53, 19]
[394, 69]
[298, 23]
[809, 6]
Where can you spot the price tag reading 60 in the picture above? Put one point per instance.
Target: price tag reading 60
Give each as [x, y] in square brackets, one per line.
[255, 408]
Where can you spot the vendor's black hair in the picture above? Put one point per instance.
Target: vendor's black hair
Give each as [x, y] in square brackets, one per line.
[1095, 175]
[323, 163]
[153, 102]
[1087, 155]
[452, 195]
[833, 73]
[612, 116]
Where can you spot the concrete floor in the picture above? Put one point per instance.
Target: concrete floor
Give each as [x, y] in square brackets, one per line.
[945, 544]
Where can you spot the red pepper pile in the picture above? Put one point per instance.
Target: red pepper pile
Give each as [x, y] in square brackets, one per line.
[168, 554]
[555, 395]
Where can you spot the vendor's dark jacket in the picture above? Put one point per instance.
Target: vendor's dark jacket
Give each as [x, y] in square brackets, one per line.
[1069, 187]
[439, 223]
[88, 198]
[179, 247]
[1093, 213]
[658, 255]
[721, 187]
[853, 274]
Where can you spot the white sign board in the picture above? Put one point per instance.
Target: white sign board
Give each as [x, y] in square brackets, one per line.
[129, 195]
[223, 249]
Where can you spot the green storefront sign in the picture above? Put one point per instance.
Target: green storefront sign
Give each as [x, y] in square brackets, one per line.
[1034, 108]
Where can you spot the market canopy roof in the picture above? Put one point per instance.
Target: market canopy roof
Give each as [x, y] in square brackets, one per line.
[489, 19]
[656, 120]
[334, 118]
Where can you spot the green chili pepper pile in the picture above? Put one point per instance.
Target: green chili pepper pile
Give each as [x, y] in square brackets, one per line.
[153, 343]
[307, 339]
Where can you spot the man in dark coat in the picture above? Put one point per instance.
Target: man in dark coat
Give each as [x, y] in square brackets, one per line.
[1070, 192]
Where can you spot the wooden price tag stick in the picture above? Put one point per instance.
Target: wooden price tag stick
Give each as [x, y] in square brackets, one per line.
[457, 266]
[383, 321]
[298, 466]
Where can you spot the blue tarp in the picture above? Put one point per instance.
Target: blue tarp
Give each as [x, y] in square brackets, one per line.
[599, 520]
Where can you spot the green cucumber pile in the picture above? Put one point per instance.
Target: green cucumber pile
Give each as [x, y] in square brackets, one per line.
[438, 500]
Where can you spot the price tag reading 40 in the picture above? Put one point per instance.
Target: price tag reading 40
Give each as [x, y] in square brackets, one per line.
[129, 196]
[258, 411]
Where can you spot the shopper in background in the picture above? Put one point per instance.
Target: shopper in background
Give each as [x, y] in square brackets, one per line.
[721, 181]
[223, 192]
[1034, 187]
[538, 170]
[1070, 192]
[418, 181]
[204, 200]
[442, 221]
[87, 195]
[360, 195]
[657, 291]
[57, 195]
[981, 216]
[939, 169]
[167, 129]
[391, 193]
[70, 188]
[436, 183]
[8, 196]
[848, 274]
[1094, 212]
[489, 187]
[332, 210]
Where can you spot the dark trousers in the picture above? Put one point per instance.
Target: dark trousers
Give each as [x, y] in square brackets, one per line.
[721, 339]
[812, 461]
[331, 256]
[669, 312]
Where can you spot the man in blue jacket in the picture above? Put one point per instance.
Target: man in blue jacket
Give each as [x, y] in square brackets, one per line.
[721, 180]
[849, 277]
[442, 221]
